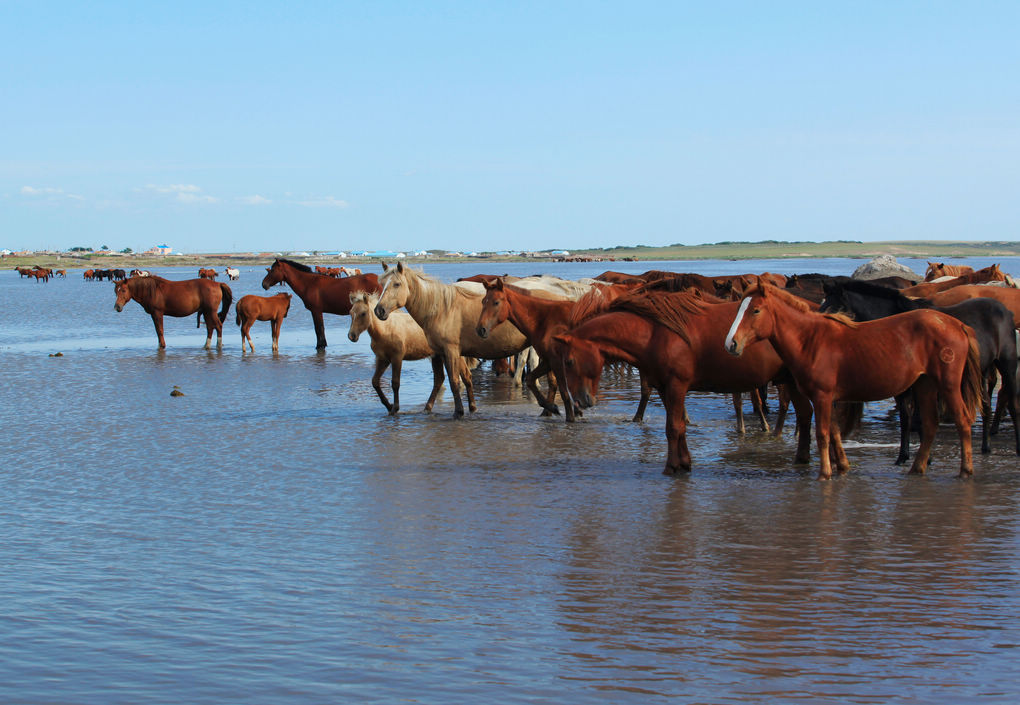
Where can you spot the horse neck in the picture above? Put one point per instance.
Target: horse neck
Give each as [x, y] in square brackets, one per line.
[297, 280]
[620, 335]
[532, 315]
[793, 331]
[421, 298]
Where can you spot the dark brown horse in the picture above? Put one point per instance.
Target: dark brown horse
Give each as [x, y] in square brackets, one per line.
[318, 292]
[253, 308]
[833, 358]
[159, 297]
[676, 341]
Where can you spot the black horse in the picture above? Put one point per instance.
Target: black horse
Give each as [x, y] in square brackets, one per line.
[993, 327]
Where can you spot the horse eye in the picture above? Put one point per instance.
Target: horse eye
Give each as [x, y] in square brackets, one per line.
[570, 362]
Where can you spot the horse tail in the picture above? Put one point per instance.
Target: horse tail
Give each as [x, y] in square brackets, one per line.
[198, 319]
[228, 296]
[849, 415]
[237, 315]
[471, 362]
[970, 385]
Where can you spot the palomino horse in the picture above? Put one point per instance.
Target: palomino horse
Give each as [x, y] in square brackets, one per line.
[927, 289]
[319, 293]
[159, 297]
[674, 339]
[394, 340]
[253, 308]
[448, 314]
[994, 330]
[937, 270]
[833, 358]
[233, 273]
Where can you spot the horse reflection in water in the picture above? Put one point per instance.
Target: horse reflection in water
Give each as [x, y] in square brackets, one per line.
[162, 297]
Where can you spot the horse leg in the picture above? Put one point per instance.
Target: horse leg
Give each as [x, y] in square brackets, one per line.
[836, 452]
[568, 402]
[783, 394]
[547, 403]
[276, 323]
[157, 321]
[758, 396]
[246, 334]
[803, 410]
[469, 385]
[986, 410]
[823, 426]
[1008, 393]
[212, 323]
[962, 418]
[381, 364]
[905, 409]
[437, 381]
[398, 364]
[451, 354]
[926, 396]
[646, 393]
[320, 330]
[738, 409]
[678, 457]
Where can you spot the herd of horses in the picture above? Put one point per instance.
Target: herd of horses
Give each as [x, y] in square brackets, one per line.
[939, 347]
[40, 274]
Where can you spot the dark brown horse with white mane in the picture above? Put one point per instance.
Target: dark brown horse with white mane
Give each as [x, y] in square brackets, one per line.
[159, 297]
[318, 292]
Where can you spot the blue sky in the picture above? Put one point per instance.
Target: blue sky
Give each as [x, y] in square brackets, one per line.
[236, 126]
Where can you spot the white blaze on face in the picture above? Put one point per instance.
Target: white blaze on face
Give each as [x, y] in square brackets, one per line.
[383, 292]
[736, 322]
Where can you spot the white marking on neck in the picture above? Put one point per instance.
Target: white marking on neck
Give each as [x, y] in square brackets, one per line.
[736, 322]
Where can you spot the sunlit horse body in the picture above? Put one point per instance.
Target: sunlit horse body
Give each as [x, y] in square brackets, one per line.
[937, 270]
[994, 330]
[318, 292]
[449, 315]
[832, 358]
[162, 297]
[204, 273]
[251, 308]
[394, 340]
[675, 339]
[233, 273]
[926, 289]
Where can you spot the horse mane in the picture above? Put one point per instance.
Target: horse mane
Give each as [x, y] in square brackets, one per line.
[876, 291]
[591, 304]
[296, 265]
[434, 296]
[798, 303]
[672, 310]
[146, 285]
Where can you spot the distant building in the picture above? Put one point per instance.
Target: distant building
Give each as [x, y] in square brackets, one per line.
[161, 250]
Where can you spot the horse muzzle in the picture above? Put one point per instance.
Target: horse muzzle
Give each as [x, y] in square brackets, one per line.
[352, 337]
[734, 348]
[118, 307]
[381, 313]
[482, 332]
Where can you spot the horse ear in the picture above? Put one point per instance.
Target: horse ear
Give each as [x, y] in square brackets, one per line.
[498, 283]
[354, 296]
[562, 339]
[400, 267]
[761, 285]
[385, 267]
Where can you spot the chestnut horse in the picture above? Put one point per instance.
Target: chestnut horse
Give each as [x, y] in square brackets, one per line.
[251, 308]
[159, 297]
[937, 270]
[927, 289]
[674, 339]
[206, 273]
[833, 358]
[318, 292]
[394, 340]
[448, 313]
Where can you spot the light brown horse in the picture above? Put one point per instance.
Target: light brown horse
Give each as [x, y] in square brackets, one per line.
[929, 289]
[448, 314]
[833, 358]
[937, 270]
[251, 308]
[159, 297]
[394, 340]
[318, 292]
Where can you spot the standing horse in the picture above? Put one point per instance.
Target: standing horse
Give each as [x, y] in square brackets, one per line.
[233, 273]
[926, 289]
[993, 328]
[319, 293]
[833, 358]
[253, 308]
[674, 339]
[159, 297]
[937, 270]
[394, 340]
[206, 273]
[448, 314]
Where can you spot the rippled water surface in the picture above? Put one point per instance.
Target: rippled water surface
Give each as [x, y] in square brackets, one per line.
[273, 536]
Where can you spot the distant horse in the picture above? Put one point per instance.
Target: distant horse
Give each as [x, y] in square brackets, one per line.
[88, 275]
[24, 271]
[233, 273]
[319, 293]
[993, 327]
[937, 270]
[448, 313]
[62, 273]
[394, 340]
[140, 273]
[928, 289]
[206, 273]
[675, 340]
[350, 272]
[159, 297]
[251, 308]
[40, 275]
[833, 358]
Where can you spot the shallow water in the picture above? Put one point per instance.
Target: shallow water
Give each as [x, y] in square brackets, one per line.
[273, 536]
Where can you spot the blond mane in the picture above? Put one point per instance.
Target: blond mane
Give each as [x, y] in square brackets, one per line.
[432, 297]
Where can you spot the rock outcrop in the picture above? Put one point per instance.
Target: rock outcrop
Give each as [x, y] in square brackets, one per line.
[885, 266]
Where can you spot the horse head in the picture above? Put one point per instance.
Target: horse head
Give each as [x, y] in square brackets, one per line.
[495, 307]
[394, 290]
[274, 275]
[753, 320]
[361, 315]
[123, 292]
[581, 362]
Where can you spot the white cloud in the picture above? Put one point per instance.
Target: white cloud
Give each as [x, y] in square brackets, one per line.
[48, 193]
[255, 200]
[183, 193]
[323, 202]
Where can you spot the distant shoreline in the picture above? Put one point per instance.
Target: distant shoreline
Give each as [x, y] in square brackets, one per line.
[723, 250]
